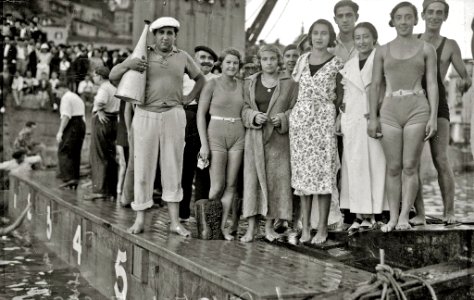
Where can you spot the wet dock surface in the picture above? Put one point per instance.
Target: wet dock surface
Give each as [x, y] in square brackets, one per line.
[264, 269]
[278, 269]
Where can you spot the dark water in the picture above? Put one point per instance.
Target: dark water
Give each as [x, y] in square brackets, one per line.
[37, 273]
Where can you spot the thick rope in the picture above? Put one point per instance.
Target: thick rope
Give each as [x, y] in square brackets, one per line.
[388, 280]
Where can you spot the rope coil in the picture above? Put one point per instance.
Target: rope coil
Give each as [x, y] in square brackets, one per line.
[389, 280]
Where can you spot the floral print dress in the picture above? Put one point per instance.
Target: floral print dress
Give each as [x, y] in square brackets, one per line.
[313, 145]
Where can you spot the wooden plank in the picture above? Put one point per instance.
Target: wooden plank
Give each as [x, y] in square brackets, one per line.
[140, 264]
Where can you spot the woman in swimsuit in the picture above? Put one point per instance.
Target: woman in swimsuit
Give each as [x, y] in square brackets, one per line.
[224, 139]
[407, 117]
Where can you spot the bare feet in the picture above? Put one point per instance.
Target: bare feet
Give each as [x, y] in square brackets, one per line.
[417, 221]
[137, 227]
[390, 226]
[271, 234]
[305, 236]
[247, 237]
[450, 219]
[320, 237]
[227, 235]
[180, 230]
[403, 225]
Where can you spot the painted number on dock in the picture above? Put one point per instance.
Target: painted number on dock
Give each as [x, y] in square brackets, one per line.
[14, 200]
[76, 244]
[49, 224]
[120, 273]
[28, 215]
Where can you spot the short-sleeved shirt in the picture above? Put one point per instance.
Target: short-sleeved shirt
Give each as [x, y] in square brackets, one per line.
[105, 99]
[71, 105]
[164, 84]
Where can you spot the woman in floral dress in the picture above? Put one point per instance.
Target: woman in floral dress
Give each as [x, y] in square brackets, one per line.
[313, 146]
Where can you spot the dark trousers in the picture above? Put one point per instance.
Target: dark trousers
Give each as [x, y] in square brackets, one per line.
[191, 150]
[102, 155]
[69, 151]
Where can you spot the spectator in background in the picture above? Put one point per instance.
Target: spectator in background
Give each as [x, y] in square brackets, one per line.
[55, 60]
[79, 65]
[17, 89]
[70, 136]
[106, 60]
[86, 89]
[54, 81]
[32, 57]
[103, 136]
[9, 52]
[44, 91]
[472, 93]
[290, 56]
[95, 60]
[7, 80]
[64, 66]
[24, 141]
[29, 83]
[44, 59]
[21, 56]
[20, 162]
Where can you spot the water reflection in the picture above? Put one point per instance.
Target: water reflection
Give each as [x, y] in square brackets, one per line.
[36, 273]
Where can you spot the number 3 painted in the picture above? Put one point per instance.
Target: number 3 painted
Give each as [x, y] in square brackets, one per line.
[49, 224]
[76, 243]
[120, 273]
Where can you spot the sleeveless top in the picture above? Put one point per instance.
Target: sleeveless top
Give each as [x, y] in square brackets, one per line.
[403, 74]
[225, 103]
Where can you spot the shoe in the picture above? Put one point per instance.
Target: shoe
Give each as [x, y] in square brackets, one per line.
[188, 220]
[71, 184]
[366, 225]
[94, 196]
[354, 227]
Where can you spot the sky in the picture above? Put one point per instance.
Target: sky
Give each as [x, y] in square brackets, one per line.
[289, 16]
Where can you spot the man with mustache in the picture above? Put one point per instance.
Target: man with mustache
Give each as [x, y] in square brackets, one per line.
[159, 124]
[205, 58]
[434, 13]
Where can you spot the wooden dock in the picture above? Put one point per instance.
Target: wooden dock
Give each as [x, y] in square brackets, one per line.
[91, 235]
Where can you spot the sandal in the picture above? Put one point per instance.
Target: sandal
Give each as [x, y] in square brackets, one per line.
[366, 225]
[354, 227]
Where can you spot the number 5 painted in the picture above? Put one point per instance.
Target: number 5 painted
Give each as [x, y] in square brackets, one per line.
[120, 273]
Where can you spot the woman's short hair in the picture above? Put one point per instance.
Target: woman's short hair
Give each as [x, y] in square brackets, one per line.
[369, 27]
[230, 51]
[400, 5]
[270, 48]
[332, 33]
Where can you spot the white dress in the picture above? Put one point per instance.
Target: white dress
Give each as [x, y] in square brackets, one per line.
[363, 160]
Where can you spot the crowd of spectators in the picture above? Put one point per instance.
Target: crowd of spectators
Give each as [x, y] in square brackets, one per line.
[32, 66]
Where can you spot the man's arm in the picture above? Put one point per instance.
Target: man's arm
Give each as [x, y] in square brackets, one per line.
[130, 63]
[458, 64]
[200, 81]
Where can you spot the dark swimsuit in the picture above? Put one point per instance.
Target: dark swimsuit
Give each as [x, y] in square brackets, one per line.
[443, 108]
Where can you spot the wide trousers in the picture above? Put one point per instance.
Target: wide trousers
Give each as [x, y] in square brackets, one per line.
[158, 137]
[69, 151]
[104, 169]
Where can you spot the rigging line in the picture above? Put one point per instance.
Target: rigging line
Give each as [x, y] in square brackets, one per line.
[255, 11]
[281, 14]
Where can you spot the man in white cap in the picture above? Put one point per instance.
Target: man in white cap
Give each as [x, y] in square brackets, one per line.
[434, 13]
[159, 125]
[44, 59]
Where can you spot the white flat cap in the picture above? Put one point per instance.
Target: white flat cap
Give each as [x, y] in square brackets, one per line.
[164, 22]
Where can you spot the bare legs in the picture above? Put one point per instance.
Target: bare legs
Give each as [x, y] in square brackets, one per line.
[402, 148]
[224, 172]
[439, 148]
[121, 171]
[324, 203]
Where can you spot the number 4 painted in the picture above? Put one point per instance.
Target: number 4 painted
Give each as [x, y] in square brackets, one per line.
[76, 244]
